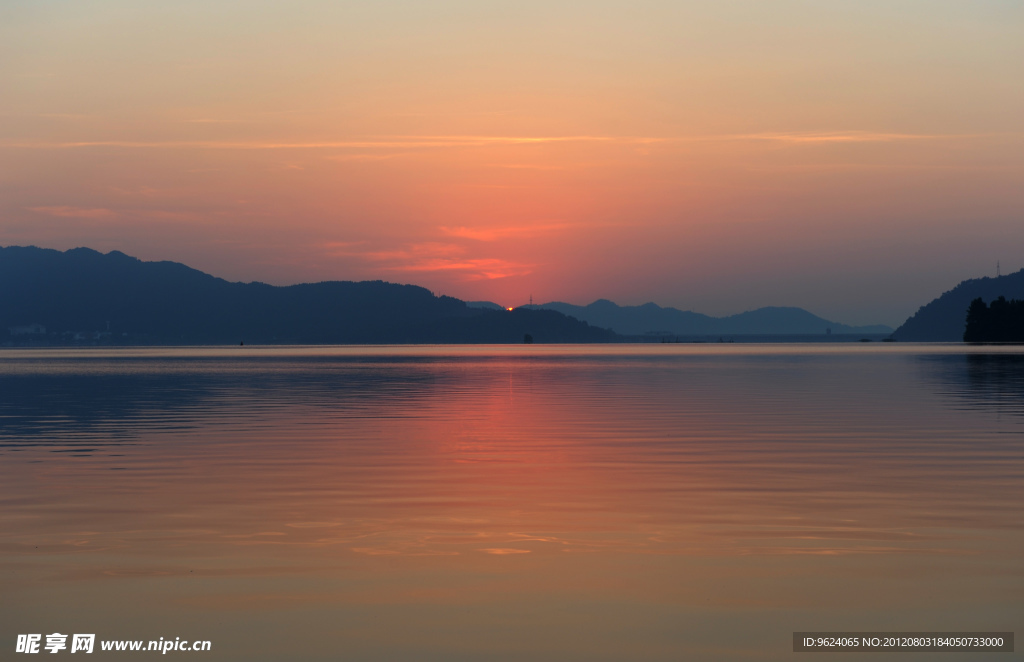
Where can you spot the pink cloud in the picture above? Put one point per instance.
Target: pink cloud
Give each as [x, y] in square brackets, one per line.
[494, 234]
[442, 257]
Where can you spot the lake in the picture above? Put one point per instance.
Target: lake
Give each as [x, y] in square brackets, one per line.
[647, 502]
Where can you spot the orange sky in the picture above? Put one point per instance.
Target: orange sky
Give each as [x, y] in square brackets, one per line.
[853, 160]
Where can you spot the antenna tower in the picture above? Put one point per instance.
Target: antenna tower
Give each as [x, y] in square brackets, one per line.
[997, 269]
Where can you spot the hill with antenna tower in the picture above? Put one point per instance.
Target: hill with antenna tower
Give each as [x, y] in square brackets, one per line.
[945, 318]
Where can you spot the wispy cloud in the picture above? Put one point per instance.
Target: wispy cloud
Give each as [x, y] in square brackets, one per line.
[365, 157]
[846, 137]
[170, 215]
[440, 141]
[65, 116]
[528, 166]
[74, 212]
[126, 213]
[420, 251]
[142, 191]
[495, 234]
[393, 142]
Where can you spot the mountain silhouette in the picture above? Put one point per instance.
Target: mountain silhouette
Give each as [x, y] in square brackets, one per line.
[944, 319]
[652, 319]
[81, 295]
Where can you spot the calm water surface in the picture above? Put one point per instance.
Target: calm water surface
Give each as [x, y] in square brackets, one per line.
[510, 503]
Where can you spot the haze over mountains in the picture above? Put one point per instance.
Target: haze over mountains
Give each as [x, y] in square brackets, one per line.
[53, 297]
[652, 319]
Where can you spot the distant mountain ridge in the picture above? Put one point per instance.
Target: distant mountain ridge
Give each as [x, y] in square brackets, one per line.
[651, 318]
[81, 295]
[944, 318]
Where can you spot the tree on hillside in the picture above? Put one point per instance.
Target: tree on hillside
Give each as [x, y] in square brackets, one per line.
[1002, 321]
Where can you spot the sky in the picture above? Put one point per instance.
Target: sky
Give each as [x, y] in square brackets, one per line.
[856, 159]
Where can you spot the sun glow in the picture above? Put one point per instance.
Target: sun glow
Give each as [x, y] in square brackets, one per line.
[607, 154]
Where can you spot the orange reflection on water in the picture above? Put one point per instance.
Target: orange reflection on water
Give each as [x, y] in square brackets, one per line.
[589, 506]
